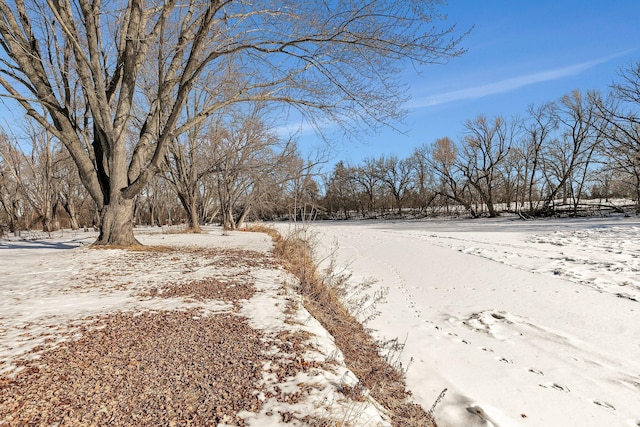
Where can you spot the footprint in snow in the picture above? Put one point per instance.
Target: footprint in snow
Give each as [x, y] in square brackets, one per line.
[604, 404]
[555, 386]
[504, 360]
[536, 371]
[488, 350]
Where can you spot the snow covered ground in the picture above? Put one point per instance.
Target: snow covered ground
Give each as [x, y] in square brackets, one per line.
[526, 323]
[51, 285]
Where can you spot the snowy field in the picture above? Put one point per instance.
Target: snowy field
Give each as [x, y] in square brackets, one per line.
[526, 323]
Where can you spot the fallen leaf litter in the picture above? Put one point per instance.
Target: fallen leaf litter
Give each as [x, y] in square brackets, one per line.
[173, 368]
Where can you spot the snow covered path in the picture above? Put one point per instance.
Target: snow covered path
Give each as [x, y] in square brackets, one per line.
[526, 323]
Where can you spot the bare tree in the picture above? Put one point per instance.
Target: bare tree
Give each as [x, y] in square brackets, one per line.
[395, 174]
[423, 177]
[86, 63]
[10, 198]
[511, 171]
[627, 88]
[537, 129]
[186, 164]
[486, 146]
[367, 178]
[35, 172]
[303, 191]
[188, 160]
[276, 190]
[157, 204]
[449, 181]
[71, 194]
[243, 153]
[239, 153]
[620, 114]
[567, 159]
[341, 192]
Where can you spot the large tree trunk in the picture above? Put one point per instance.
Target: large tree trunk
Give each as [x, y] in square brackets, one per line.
[189, 203]
[47, 227]
[194, 220]
[116, 228]
[490, 205]
[228, 222]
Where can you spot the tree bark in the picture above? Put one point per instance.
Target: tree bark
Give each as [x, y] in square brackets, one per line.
[243, 216]
[228, 222]
[117, 224]
[70, 208]
[194, 220]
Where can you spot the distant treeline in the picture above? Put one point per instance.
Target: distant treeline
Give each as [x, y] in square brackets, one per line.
[584, 147]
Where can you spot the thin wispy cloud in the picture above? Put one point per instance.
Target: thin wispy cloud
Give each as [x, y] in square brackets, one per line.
[289, 130]
[510, 84]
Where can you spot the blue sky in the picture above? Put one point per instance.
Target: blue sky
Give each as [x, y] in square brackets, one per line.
[519, 53]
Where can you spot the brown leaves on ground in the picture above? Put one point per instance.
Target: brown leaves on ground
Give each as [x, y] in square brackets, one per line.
[209, 288]
[159, 368]
[168, 368]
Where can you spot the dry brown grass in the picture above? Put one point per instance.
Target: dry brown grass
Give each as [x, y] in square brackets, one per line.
[385, 382]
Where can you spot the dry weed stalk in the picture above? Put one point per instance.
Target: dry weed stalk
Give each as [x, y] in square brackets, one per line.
[361, 352]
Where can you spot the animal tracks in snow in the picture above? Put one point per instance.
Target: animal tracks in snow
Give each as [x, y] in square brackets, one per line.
[535, 325]
[507, 328]
[555, 386]
[499, 335]
[535, 371]
[604, 404]
[505, 360]
[492, 322]
[592, 257]
[402, 287]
